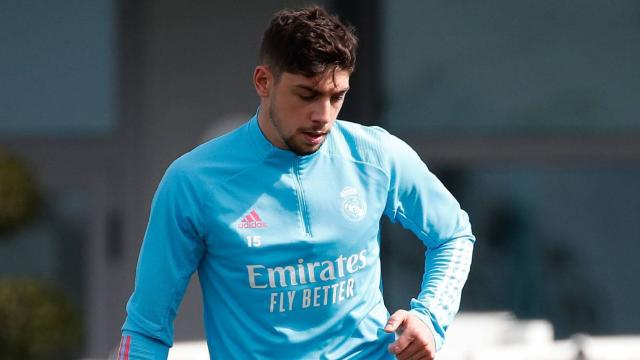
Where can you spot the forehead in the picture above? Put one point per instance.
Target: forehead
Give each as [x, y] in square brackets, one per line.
[337, 80]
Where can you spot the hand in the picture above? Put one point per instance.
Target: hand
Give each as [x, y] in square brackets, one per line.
[415, 340]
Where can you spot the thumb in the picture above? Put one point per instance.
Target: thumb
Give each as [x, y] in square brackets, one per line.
[396, 320]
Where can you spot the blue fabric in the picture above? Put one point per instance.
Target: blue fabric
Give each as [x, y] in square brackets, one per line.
[287, 247]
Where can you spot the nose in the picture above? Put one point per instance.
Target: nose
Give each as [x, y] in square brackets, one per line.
[322, 112]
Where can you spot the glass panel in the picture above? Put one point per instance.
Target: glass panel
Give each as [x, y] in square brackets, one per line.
[555, 243]
[511, 66]
[57, 72]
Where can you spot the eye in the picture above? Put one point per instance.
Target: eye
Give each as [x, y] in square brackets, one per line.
[306, 97]
[337, 98]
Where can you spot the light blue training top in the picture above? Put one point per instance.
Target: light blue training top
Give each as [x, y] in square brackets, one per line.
[287, 247]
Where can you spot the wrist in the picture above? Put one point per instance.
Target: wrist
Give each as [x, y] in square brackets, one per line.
[426, 319]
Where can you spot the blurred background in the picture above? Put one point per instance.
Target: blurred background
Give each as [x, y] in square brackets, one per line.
[527, 110]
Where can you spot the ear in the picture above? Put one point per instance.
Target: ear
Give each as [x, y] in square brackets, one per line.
[263, 80]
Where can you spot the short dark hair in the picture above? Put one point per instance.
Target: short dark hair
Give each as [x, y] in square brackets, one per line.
[308, 41]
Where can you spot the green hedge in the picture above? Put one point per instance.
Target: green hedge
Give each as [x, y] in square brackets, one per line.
[37, 322]
[19, 195]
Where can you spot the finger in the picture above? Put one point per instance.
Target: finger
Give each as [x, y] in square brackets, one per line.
[412, 351]
[395, 321]
[422, 356]
[424, 352]
[401, 343]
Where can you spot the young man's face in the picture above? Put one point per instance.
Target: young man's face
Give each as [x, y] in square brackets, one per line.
[298, 112]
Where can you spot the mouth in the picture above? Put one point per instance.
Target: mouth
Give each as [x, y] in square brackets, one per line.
[314, 137]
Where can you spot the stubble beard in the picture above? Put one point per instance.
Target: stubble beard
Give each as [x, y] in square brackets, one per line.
[289, 141]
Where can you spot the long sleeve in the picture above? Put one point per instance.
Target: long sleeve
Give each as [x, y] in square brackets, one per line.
[421, 203]
[171, 251]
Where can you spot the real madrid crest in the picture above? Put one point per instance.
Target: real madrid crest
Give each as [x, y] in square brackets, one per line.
[354, 207]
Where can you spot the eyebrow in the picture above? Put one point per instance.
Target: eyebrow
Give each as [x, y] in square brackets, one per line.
[316, 91]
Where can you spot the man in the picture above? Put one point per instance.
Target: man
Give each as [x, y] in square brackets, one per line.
[280, 218]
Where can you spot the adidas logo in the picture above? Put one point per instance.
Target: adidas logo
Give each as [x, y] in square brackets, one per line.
[251, 221]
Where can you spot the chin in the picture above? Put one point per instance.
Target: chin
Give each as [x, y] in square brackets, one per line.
[304, 150]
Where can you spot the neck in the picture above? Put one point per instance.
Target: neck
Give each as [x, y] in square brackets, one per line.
[266, 126]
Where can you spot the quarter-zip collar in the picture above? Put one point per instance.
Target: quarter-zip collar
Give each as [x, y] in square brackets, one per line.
[269, 150]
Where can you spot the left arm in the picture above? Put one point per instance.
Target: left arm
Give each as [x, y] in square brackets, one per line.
[419, 201]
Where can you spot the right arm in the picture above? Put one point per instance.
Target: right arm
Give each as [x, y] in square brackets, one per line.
[171, 251]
